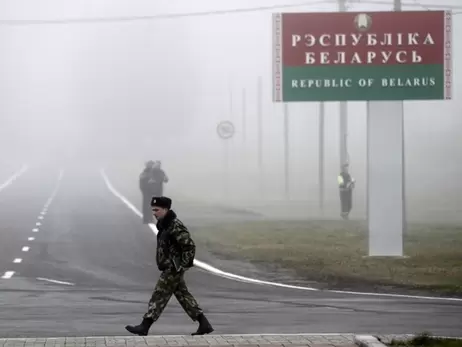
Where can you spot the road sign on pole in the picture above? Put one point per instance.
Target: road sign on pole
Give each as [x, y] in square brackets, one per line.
[383, 58]
[362, 56]
[225, 130]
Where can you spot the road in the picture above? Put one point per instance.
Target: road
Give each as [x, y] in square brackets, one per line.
[89, 270]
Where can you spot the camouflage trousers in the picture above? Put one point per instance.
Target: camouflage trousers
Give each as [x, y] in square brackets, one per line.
[172, 283]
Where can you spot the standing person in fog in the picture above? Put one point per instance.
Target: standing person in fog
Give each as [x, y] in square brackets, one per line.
[346, 184]
[175, 255]
[148, 190]
[159, 178]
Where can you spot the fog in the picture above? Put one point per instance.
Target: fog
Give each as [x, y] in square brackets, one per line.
[116, 93]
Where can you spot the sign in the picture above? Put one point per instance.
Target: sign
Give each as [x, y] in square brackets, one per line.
[362, 56]
[225, 130]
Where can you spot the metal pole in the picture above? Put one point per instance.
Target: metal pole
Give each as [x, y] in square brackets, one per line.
[321, 155]
[244, 116]
[260, 131]
[343, 126]
[286, 151]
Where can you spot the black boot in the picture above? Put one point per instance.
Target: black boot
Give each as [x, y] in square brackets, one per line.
[204, 326]
[142, 329]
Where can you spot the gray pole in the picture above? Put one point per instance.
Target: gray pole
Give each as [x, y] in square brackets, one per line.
[386, 198]
[321, 156]
[286, 151]
[343, 113]
[244, 116]
[260, 131]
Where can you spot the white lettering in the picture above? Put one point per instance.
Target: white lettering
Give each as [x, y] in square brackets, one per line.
[399, 57]
[371, 56]
[420, 82]
[324, 40]
[362, 82]
[356, 59]
[386, 40]
[322, 83]
[340, 39]
[400, 39]
[368, 57]
[371, 39]
[324, 58]
[429, 40]
[310, 58]
[385, 56]
[296, 39]
[340, 58]
[412, 39]
[310, 40]
[356, 38]
[416, 58]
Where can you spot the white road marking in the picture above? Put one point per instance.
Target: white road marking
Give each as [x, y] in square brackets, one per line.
[40, 217]
[228, 275]
[8, 275]
[38, 224]
[17, 261]
[25, 249]
[31, 239]
[54, 281]
[10, 180]
[35, 230]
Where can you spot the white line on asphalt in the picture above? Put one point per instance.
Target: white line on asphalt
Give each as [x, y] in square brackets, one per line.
[228, 275]
[35, 230]
[10, 180]
[31, 239]
[25, 249]
[17, 261]
[40, 217]
[38, 224]
[8, 275]
[54, 281]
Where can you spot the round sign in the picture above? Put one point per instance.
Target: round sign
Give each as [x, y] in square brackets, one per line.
[225, 129]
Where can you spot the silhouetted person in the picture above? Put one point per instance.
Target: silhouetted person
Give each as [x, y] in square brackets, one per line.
[346, 184]
[148, 190]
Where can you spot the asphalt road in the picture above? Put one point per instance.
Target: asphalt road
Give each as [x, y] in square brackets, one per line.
[103, 257]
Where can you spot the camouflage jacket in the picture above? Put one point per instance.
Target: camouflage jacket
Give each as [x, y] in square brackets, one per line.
[175, 247]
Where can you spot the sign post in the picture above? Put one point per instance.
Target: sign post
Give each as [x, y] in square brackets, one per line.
[379, 57]
[226, 131]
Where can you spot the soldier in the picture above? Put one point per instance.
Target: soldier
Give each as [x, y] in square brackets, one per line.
[346, 184]
[174, 256]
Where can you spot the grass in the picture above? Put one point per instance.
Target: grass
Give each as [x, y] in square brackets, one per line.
[333, 253]
[426, 340]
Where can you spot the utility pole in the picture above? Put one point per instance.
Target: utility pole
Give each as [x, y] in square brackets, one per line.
[343, 136]
[244, 116]
[321, 156]
[260, 131]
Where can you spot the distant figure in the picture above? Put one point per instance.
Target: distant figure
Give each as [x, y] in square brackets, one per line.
[159, 177]
[346, 184]
[148, 190]
[174, 256]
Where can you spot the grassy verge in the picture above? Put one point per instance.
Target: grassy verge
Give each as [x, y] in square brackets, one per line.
[426, 340]
[333, 253]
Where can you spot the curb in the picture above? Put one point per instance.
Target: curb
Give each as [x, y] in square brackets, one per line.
[367, 341]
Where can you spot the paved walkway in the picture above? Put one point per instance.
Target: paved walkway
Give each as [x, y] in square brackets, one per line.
[295, 340]
[216, 340]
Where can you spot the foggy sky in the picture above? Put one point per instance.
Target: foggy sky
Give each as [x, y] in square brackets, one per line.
[158, 88]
